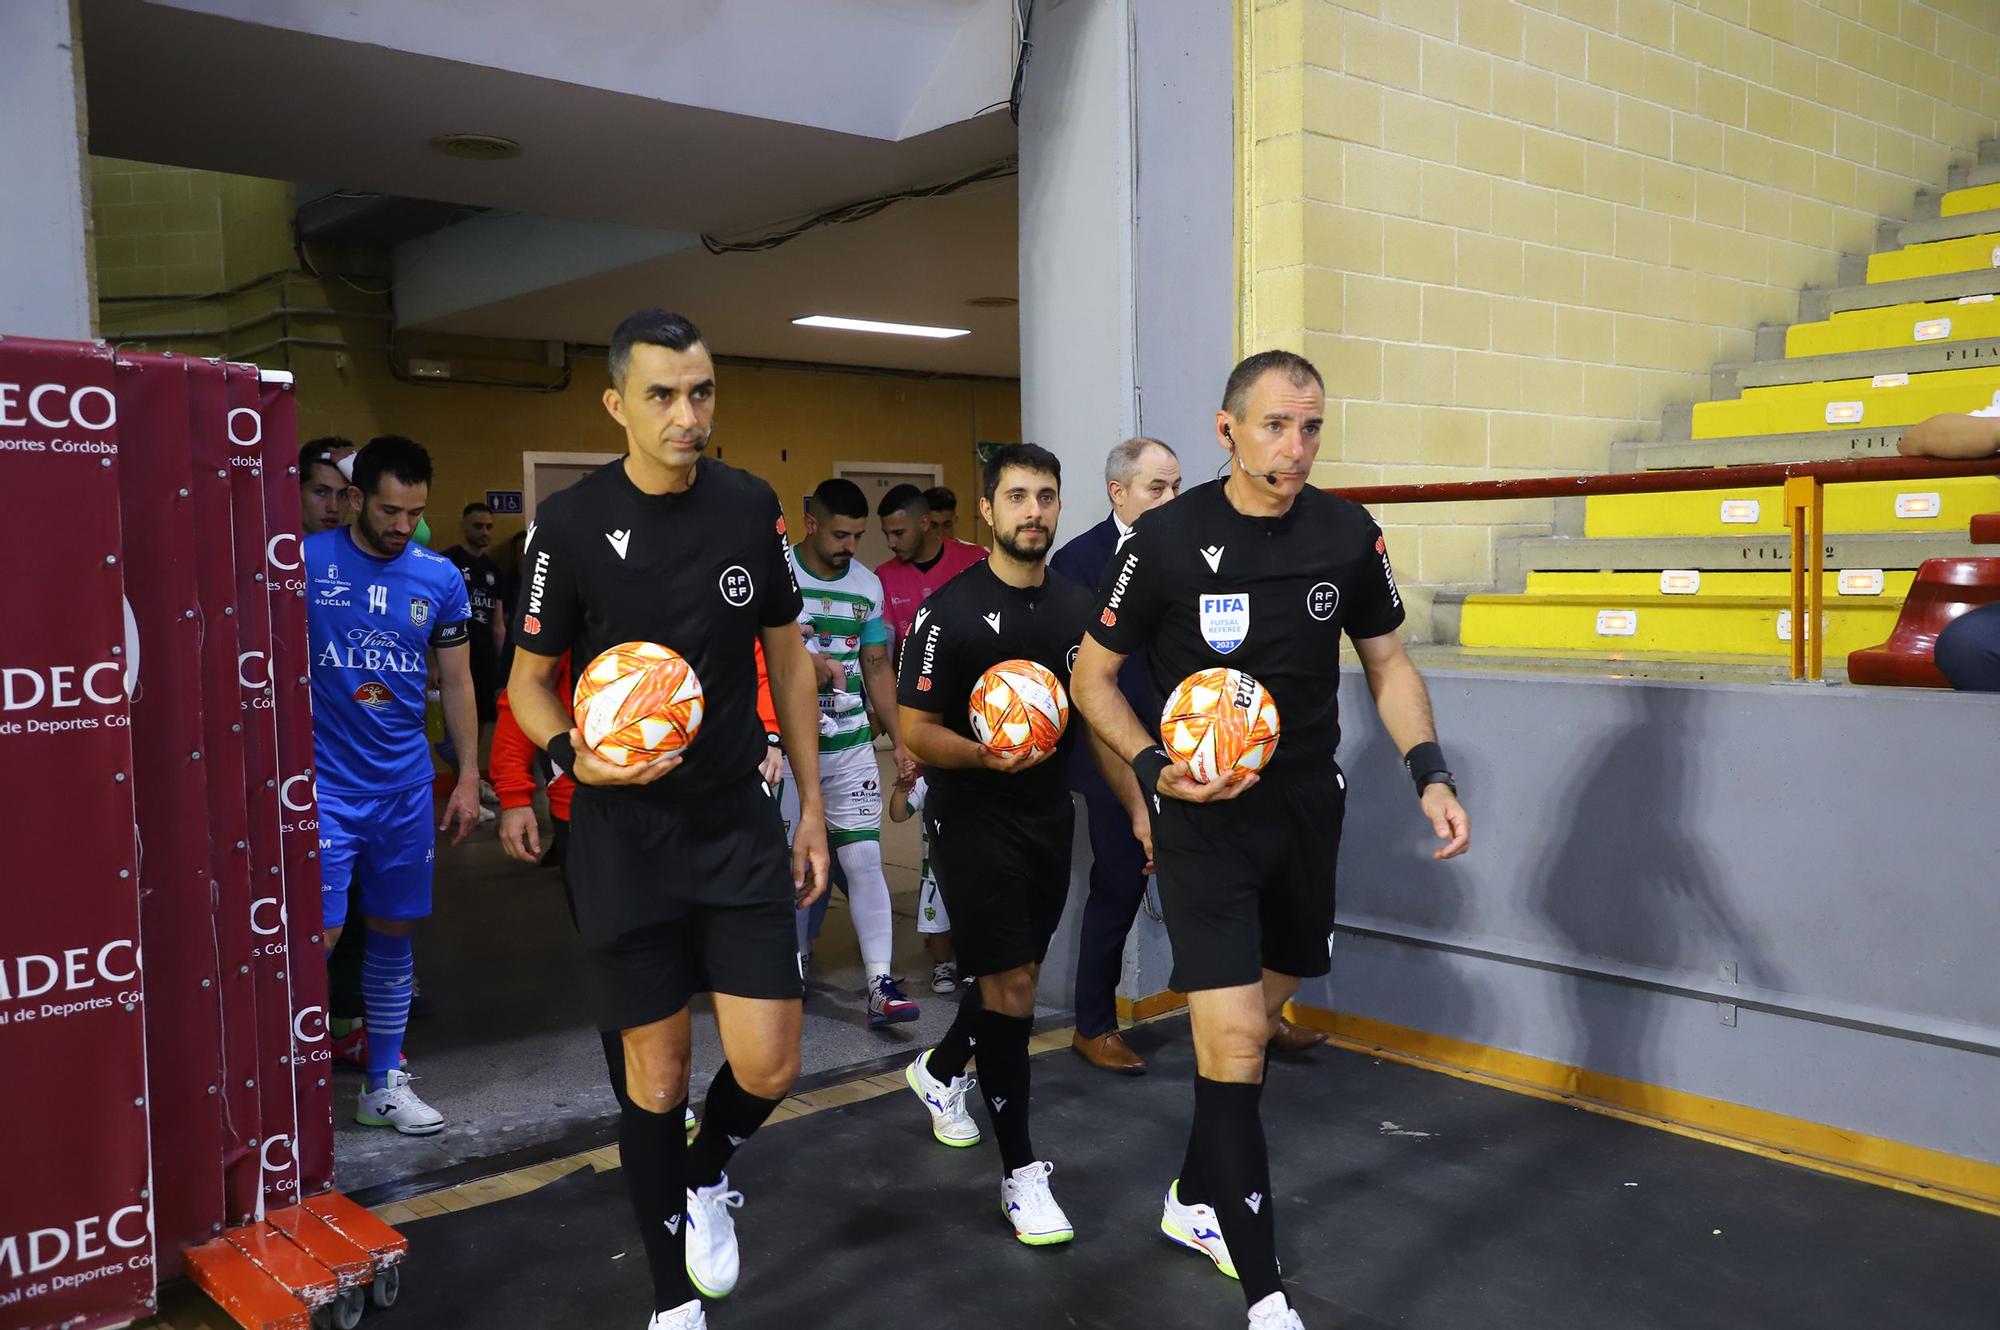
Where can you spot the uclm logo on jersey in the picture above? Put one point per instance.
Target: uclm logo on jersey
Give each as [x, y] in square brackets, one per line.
[87, 1239]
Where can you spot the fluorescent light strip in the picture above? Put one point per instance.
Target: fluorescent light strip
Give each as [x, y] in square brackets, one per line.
[870, 326]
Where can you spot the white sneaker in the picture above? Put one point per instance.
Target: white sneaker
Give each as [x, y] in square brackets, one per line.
[487, 815]
[712, 1259]
[396, 1105]
[1029, 1206]
[944, 977]
[950, 1123]
[687, 1316]
[1273, 1313]
[1196, 1228]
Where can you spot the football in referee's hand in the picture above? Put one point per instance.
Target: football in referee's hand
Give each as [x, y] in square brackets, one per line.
[1221, 723]
[636, 702]
[1019, 706]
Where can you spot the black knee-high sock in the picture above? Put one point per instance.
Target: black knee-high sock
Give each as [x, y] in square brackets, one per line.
[1003, 1079]
[953, 1051]
[1192, 1188]
[653, 1149]
[730, 1117]
[1236, 1170]
[614, 1064]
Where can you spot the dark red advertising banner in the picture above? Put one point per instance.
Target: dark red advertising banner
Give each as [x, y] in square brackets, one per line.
[228, 819]
[169, 749]
[76, 1243]
[244, 431]
[311, 1150]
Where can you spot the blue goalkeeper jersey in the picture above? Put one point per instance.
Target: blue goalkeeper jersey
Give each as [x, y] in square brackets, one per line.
[371, 622]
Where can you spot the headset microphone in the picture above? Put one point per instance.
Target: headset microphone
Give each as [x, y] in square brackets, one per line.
[1268, 477]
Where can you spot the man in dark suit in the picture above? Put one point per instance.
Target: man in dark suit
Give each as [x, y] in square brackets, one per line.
[1141, 474]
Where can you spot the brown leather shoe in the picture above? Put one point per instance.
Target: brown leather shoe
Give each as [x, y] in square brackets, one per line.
[1109, 1052]
[1291, 1038]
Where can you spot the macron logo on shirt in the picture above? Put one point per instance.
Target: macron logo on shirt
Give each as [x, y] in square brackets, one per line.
[619, 540]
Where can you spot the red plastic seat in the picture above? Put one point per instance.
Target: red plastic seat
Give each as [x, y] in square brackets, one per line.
[1943, 590]
[1986, 529]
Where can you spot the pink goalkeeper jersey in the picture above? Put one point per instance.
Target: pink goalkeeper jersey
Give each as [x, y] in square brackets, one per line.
[905, 586]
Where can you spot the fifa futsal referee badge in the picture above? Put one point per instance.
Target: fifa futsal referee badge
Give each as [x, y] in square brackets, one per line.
[1225, 620]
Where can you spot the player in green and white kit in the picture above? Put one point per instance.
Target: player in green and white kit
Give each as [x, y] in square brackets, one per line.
[843, 615]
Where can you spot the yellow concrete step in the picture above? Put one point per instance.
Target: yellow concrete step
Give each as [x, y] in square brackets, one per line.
[1702, 624]
[1942, 506]
[1844, 404]
[1965, 254]
[1895, 326]
[1958, 202]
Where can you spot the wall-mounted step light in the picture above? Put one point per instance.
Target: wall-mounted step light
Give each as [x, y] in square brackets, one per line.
[1741, 511]
[1617, 623]
[1918, 506]
[1891, 380]
[1861, 581]
[1931, 330]
[1844, 413]
[1680, 581]
[1785, 626]
[1986, 299]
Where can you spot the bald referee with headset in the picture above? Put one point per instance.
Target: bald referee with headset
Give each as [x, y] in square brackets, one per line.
[1262, 573]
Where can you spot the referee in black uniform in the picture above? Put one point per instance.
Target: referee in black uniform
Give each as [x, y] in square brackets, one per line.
[1000, 827]
[678, 867]
[1262, 573]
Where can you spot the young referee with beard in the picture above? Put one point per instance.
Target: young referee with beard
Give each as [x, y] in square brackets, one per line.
[1000, 827]
[678, 867]
[1262, 573]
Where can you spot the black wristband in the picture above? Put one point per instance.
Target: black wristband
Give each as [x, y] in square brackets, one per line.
[562, 752]
[1147, 764]
[1426, 766]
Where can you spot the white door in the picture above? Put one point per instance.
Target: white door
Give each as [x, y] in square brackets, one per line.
[877, 479]
[543, 474]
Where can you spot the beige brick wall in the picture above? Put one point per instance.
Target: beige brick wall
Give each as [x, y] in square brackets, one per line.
[1511, 231]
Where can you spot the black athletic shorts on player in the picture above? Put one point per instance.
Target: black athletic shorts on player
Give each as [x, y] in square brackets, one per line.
[688, 896]
[1247, 885]
[1003, 871]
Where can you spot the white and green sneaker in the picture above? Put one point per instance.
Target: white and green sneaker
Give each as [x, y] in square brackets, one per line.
[1196, 1228]
[396, 1105]
[950, 1123]
[1028, 1204]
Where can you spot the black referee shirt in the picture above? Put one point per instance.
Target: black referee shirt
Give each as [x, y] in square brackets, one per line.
[971, 623]
[701, 571]
[1199, 586]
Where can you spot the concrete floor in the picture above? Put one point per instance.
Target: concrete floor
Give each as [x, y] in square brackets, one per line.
[509, 1054]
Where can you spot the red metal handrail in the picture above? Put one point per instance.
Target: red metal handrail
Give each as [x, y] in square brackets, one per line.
[1802, 483]
[1671, 482]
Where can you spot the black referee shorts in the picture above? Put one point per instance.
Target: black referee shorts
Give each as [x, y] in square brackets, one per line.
[1004, 874]
[680, 896]
[1247, 885]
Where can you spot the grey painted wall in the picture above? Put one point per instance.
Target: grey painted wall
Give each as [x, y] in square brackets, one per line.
[44, 262]
[1127, 146]
[1836, 846]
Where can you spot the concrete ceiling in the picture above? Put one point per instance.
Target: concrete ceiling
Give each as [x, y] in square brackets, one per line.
[918, 262]
[169, 84]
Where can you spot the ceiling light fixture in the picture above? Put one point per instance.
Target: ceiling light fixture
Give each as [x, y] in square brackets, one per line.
[477, 147]
[871, 326]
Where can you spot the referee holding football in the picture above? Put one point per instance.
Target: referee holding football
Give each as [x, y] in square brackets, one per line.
[1262, 573]
[678, 866]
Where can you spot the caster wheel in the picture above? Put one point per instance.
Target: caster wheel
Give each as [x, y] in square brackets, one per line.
[388, 1283]
[347, 1309]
